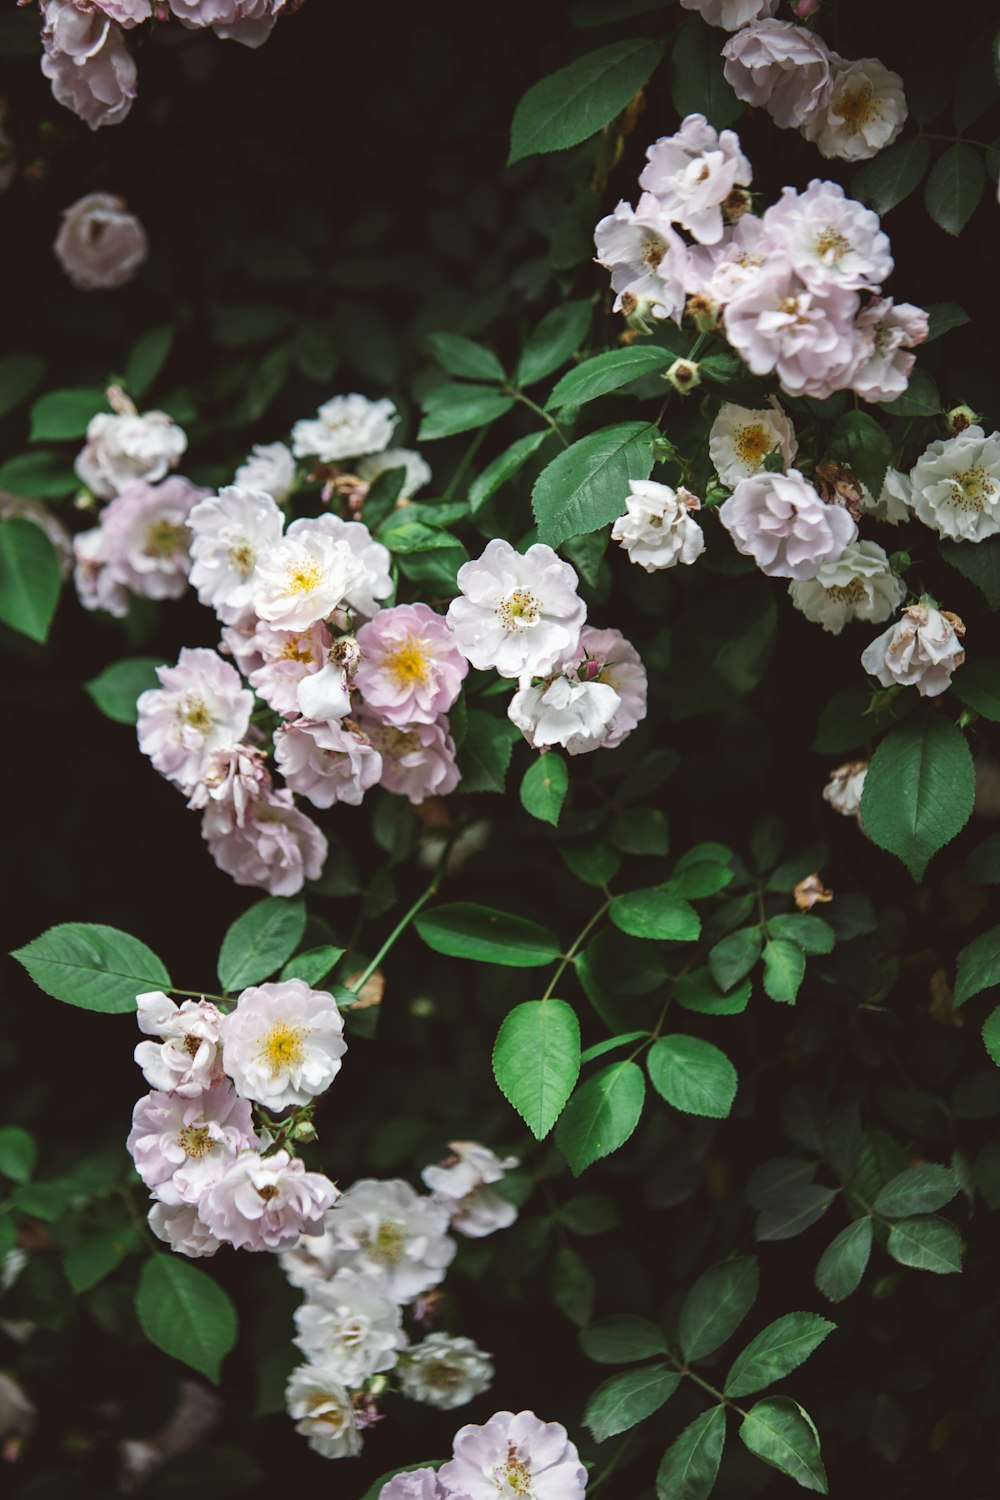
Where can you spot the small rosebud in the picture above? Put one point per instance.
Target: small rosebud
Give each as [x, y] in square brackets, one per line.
[662, 449]
[961, 417]
[683, 375]
[703, 312]
[304, 1132]
[589, 671]
[802, 9]
[84, 501]
[736, 204]
[636, 311]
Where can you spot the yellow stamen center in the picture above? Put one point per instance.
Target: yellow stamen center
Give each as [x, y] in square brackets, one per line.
[303, 576]
[972, 489]
[848, 593]
[297, 648]
[407, 662]
[857, 107]
[514, 1476]
[753, 443]
[387, 1243]
[164, 538]
[282, 1047]
[196, 714]
[520, 610]
[195, 1140]
[831, 245]
[653, 250]
[242, 558]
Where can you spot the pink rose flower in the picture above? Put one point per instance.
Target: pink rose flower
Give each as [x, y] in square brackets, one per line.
[411, 670]
[417, 762]
[266, 1202]
[619, 665]
[276, 848]
[806, 336]
[187, 1059]
[87, 63]
[147, 537]
[921, 650]
[327, 762]
[200, 708]
[100, 244]
[288, 656]
[780, 521]
[246, 21]
[182, 1145]
[828, 238]
[783, 68]
[692, 172]
[235, 778]
[646, 257]
[97, 587]
[181, 1227]
[731, 14]
[519, 1454]
[888, 332]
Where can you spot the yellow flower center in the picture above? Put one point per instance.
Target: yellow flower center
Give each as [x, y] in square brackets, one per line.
[857, 107]
[195, 1140]
[653, 250]
[303, 576]
[297, 648]
[848, 593]
[407, 662]
[242, 558]
[753, 443]
[196, 714]
[164, 538]
[387, 1243]
[520, 610]
[282, 1047]
[971, 489]
[514, 1476]
[831, 245]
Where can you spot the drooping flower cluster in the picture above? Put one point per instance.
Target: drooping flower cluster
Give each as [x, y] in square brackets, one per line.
[89, 65]
[796, 290]
[511, 1454]
[215, 1178]
[384, 1250]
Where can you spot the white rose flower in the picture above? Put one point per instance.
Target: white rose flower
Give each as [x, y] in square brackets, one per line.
[389, 1231]
[857, 585]
[656, 529]
[181, 1227]
[444, 1371]
[844, 787]
[123, 447]
[780, 521]
[692, 172]
[97, 583]
[921, 650]
[188, 1061]
[518, 613]
[647, 259]
[418, 470]
[865, 112]
[956, 485]
[270, 468]
[731, 14]
[462, 1184]
[563, 711]
[371, 579]
[323, 1411]
[283, 1043]
[230, 533]
[345, 427]
[742, 437]
[348, 1324]
[893, 503]
[100, 245]
[201, 707]
[304, 578]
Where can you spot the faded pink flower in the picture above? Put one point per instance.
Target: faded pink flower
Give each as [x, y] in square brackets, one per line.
[87, 63]
[326, 762]
[731, 14]
[147, 537]
[417, 762]
[187, 1060]
[828, 238]
[411, 670]
[201, 707]
[182, 1144]
[182, 1228]
[463, 1184]
[646, 257]
[514, 1455]
[606, 656]
[888, 332]
[97, 587]
[100, 244]
[782, 68]
[806, 336]
[780, 521]
[235, 778]
[692, 172]
[246, 21]
[266, 1202]
[276, 848]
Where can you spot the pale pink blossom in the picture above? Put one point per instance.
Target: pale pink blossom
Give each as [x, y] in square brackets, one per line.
[287, 657]
[246, 21]
[416, 1484]
[692, 172]
[743, 437]
[806, 336]
[829, 238]
[414, 465]
[235, 778]
[124, 447]
[230, 533]
[888, 332]
[97, 586]
[201, 707]
[647, 259]
[345, 427]
[277, 847]
[323, 1410]
[921, 650]
[564, 711]
[327, 762]
[270, 468]
[371, 578]
[238, 640]
[717, 272]
[87, 63]
[181, 1227]
[182, 1144]
[266, 1202]
[389, 1231]
[304, 578]
[100, 245]
[324, 695]
[411, 670]
[283, 1044]
[127, 13]
[782, 68]
[514, 1454]
[417, 762]
[606, 656]
[780, 521]
[519, 613]
[148, 539]
[187, 1060]
[350, 1324]
[864, 113]
[463, 1184]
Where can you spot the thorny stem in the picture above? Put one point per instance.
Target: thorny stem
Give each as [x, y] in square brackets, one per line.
[567, 957]
[539, 412]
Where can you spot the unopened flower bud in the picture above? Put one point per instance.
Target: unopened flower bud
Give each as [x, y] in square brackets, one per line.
[589, 671]
[662, 449]
[304, 1132]
[119, 402]
[637, 312]
[802, 9]
[961, 417]
[736, 204]
[683, 375]
[703, 312]
[84, 501]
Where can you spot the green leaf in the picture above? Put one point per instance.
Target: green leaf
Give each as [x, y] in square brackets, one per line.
[314, 965]
[859, 442]
[90, 1260]
[920, 399]
[116, 689]
[690, 1465]
[942, 317]
[893, 174]
[588, 1213]
[450, 409]
[92, 966]
[611, 1044]
[919, 1190]
[573, 1287]
[655, 913]
[585, 486]
[484, 755]
[618, 1340]
[955, 187]
[978, 685]
[601, 1115]
[461, 357]
[919, 790]
[979, 562]
[991, 1035]
[627, 1399]
[555, 340]
[29, 578]
[184, 1313]
[978, 84]
[930, 1244]
[259, 941]
[778, 1431]
[694, 1076]
[978, 966]
[19, 376]
[811, 934]
[487, 936]
[843, 1262]
[40, 475]
[536, 1061]
[61, 415]
[544, 788]
[18, 1153]
[793, 1212]
[573, 104]
[777, 1350]
[608, 372]
[642, 830]
[698, 992]
[146, 359]
[734, 956]
[504, 468]
[716, 1305]
[697, 82]
[784, 969]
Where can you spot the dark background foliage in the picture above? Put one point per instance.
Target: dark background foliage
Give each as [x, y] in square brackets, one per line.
[315, 209]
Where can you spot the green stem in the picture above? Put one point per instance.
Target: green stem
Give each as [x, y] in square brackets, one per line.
[595, 1484]
[464, 462]
[200, 995]
[567, 957]
[722, 1399]
[403, 923]
[539, 412]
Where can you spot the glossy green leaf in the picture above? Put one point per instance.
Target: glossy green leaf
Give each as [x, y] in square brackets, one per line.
[536, 1061]
[61, 415]
[784, 969]
[608, 372]
[582, 488]
[627, 1399]
[690, 1465]
[919, 1190]
[259, 942]
[843, 1262]
[186, 1314]
[573, 104]
[777, 1350]
[778, 1431]
[465, 930]
[544, 787]
[978, 966]
[601, 1115]
[468, 360]
[619, 1340]
[716, 1305]
[692, 1075]
[919, 790]
[92, 966]
[503, 468]
[454, 408]
[955, 186]
[926, 1244]
[29, 578]
[555, 340]
[116, 689]
[656, 914]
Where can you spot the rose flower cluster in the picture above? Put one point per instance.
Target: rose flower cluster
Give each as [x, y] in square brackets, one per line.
[384, 1250]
